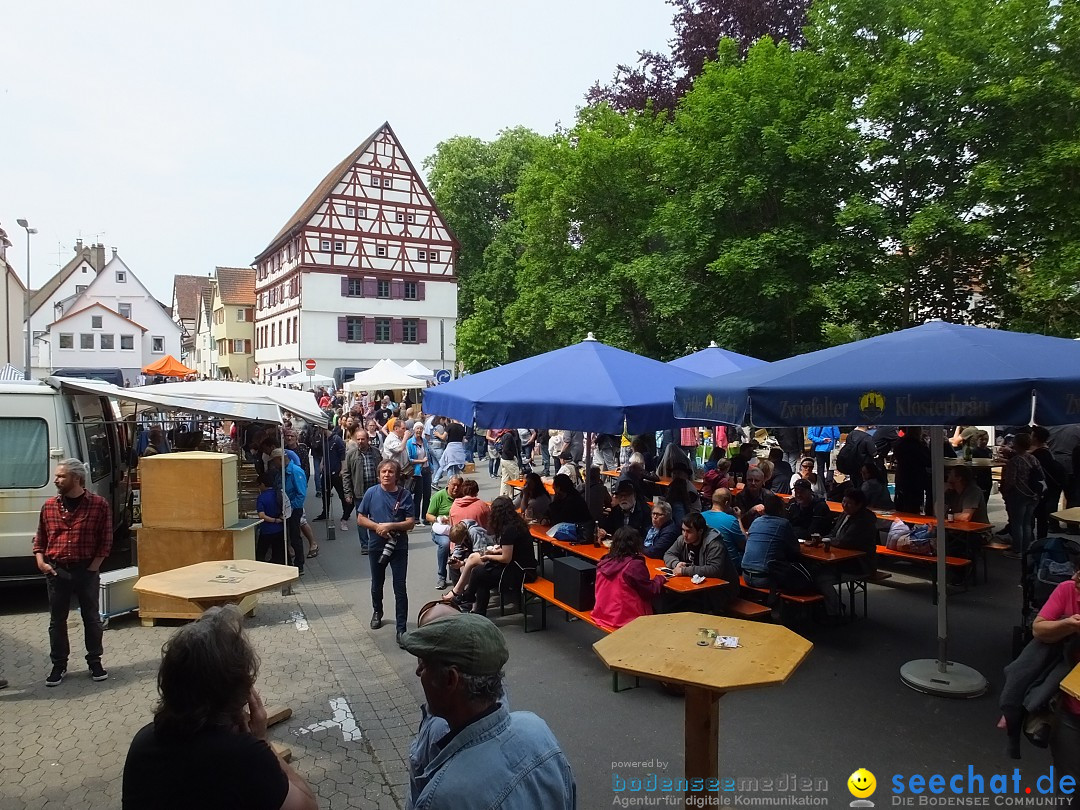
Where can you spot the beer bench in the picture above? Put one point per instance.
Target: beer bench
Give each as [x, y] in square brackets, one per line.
[803, 601]
[956, 564]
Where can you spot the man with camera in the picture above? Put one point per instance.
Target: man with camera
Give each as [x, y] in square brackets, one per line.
[386, 511]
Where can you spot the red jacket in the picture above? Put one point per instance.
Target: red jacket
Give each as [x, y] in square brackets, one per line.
[624, 591]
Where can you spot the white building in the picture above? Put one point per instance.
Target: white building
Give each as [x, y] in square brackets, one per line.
[205, 348]
[362, 271]
[110, 321]
[12, 305]
[186, 299]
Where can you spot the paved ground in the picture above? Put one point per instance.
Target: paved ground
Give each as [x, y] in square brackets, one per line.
[844, 709]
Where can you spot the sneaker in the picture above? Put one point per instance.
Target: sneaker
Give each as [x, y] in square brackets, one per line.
[400, 633]
[97, 672]
[321, 516]
[57, 675]
[343, 525]
[441, 584]
[376, 621]
[3, 683]
[363, 551]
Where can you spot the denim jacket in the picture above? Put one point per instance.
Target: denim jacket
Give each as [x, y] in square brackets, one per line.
[503, 760]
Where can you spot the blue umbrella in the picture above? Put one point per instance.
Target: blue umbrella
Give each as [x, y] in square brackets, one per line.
[931, 375]
[588, 386]
[713, 361]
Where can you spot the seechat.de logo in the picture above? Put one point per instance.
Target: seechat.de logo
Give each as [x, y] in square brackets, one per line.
[862, 785]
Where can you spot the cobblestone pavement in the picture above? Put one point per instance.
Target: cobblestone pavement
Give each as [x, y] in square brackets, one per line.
[65, 746]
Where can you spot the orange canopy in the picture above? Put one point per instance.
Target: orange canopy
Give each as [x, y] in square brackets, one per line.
[168, 366]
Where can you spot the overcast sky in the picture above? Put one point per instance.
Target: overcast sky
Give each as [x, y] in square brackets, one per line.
[186, 135]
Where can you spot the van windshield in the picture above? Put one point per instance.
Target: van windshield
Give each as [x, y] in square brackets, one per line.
[24, 464]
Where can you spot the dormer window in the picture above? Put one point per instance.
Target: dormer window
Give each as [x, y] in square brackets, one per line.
[121, 277]
[80, 288]
[95, 321]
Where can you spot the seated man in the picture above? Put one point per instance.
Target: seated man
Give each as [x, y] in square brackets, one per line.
[740, 465]
[963, 498]
[770, 539]
[206, 746]
[663, 532]
[628, 510]
[699, 551]
[780, 483]
[750, 502]
[567, 505]
[490, 757]
[721, 519]
[438, 515]
[856, 530]
[807, 513]
[636, 473]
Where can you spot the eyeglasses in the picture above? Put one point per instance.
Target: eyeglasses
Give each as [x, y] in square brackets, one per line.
[657, 514]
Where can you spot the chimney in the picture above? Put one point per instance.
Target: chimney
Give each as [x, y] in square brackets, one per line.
[114, 251]
[78, 245]
[97, 257]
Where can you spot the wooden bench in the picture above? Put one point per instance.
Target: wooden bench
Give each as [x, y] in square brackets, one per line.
[957, 564]
[544, 590]
[803, 601]
[745, 609]
[857, 582]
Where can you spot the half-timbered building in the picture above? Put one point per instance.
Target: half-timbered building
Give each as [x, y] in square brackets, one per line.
[363, 270]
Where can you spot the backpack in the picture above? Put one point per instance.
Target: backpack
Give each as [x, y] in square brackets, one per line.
[847, 460]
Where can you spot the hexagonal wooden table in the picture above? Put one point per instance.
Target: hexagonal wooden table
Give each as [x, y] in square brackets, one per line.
[665, 647]
[218, 583]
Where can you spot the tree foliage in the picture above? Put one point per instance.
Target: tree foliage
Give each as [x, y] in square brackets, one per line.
[903, 161]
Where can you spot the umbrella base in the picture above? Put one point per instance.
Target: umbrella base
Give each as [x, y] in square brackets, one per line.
[953, 680]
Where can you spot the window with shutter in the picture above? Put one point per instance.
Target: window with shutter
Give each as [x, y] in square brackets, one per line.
[421, 331]
[247, 346]
[345, 286]
[395, 330]
[410, 291]
[342, 329]
[419, 291]
[409, 330]
[383, 330]
[371, 287]
[397, 288]
[369, 330]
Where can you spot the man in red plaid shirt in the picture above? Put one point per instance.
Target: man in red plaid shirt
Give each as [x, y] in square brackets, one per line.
[74, 537]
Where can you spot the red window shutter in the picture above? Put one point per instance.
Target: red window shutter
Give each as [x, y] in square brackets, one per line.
[420, 291]
[369, 328]
[395, 330]
[344, 286]
[421, 330]
[371, 288]
[397, 288]
[342, 329]
[247, 347]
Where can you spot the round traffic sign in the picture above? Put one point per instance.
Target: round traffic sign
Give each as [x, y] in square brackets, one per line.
[309, 364]
[443, 375]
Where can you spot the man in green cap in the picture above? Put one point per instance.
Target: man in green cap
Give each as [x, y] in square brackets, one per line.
[490, 757]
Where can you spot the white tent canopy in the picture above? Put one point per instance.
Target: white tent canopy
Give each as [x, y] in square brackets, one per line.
[418, 369]
[384, 374]
[231, 400]
[304, 379]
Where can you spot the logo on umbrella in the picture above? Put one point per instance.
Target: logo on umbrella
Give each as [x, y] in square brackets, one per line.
[872, 405]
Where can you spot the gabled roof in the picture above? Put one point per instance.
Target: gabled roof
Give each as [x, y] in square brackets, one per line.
[96, 306]
[187, 293]
[236, 285]
[82, 254]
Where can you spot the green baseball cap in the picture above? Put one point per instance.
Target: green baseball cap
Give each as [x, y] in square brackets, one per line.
[469, 641]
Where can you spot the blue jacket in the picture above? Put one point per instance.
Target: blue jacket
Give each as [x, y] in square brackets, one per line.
[823, 439]
[503, 760]
[770, 538]
[295, 485]
[658, 541]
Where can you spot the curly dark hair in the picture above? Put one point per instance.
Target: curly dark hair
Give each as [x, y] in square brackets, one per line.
[626, 542]
[207, 671]
[534, 486]
[505, 517]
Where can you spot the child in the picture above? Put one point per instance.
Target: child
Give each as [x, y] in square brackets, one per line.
[270, 546]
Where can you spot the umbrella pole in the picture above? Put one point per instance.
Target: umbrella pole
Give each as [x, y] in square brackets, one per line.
[941, 677]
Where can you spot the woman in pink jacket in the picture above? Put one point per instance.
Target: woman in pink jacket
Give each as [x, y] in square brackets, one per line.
[624, 590]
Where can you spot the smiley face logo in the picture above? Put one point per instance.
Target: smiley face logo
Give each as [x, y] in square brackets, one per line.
[862, 784]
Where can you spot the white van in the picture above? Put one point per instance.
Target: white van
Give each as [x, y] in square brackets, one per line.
[40, 424]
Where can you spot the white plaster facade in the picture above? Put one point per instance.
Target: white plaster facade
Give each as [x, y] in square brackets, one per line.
[12, 310]
[363, 270]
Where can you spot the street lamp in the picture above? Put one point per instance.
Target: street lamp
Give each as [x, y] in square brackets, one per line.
[26, 308]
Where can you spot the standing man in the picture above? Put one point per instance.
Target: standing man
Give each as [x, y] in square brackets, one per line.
[74, 537]
[359, 475]
[333, 459]
[393, 446]
[386, 511]
[460, 662]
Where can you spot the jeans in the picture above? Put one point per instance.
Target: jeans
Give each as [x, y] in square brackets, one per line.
[481, 582]
[493, 464]
[421, 492]
[442, 553]
[296, 540]
[545, 456]
[1021, 513]
[335, 483]
[73, 579]
[365, 537]
[399, 567]
[318, 475]
[824, 463]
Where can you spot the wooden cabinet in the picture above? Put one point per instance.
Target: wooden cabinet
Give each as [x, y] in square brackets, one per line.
[194, 490]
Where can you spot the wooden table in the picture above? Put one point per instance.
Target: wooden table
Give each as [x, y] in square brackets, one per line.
[210, 584]
[1070, 684]
[974, 462]
[588, 551]
[659, 482]
[1067, 515]
[665, 647]
[914, 517]
[519, 484]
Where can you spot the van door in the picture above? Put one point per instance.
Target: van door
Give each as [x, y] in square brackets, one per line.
[102, 451]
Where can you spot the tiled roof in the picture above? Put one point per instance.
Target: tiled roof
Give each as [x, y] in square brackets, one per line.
[38, 297]
[322, 191]
[236, 285]
[187, 292]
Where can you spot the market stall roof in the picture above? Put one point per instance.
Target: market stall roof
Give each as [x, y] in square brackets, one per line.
[418, 369]
[382, 375]
[231, 400]
[168, 366]
[712, 361]
[304, 379]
